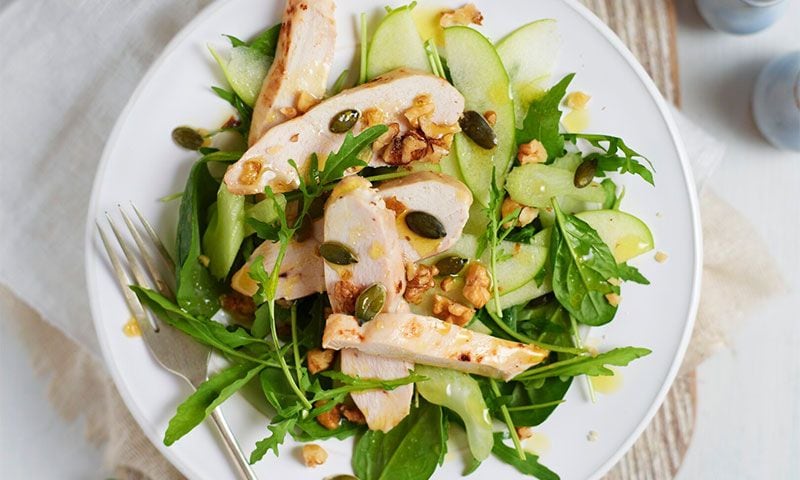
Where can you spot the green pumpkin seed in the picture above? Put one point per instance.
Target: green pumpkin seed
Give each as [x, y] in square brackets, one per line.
[585, 173]
[370, 302]
[475, 126]
[425, 225]
[344, 120]
[451, 265]
[188, 138]
[337, 254]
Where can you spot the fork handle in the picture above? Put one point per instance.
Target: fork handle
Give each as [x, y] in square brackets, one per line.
[232, 447]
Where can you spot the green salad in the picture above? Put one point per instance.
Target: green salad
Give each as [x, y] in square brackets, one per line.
[418, 248]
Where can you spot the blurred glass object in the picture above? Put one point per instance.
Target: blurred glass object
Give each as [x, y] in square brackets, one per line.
[741, 17]
[776, 101]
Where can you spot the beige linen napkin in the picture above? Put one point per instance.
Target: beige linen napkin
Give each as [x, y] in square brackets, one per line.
[83, 386]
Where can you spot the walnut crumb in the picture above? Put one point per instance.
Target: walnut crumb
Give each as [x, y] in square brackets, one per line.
[319, 359]
[476, 286]
[532, 152]
[353, 414]
[314, 455]
[592, 436]
[524, 433]
[238, 304]
[251, 169]
[613, 299]
[204, 260]
[420, 280]
[288, 112]
[422, 107]
[329, 419]
[465, 15]
[395, 205]
[384, 140]
[305, 101]
[451, 311]
[526, 214]
[491, 117]
[661, 257]
[294, 138]
[345, 294]
[577, 100]
[448, 283]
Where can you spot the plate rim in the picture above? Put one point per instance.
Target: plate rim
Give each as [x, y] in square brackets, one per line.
[580, 9]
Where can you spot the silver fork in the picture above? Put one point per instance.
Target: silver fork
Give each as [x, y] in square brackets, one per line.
[174, 350]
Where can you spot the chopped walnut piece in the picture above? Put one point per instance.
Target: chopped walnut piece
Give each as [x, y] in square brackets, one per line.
[422, 107]
[613, 299]
[451, 312]
[288, 112]
[238, 304]
[477, 284]
[526, 214]
[381, 142]
[447, 283]
[395, 205]
[250, 171]
[532, 152]
[329, 419]
[577, 100]
[345, 294]
[465, 15]
[319, 359]
[524, 433]
[314, 455]
[661, 257]
[373, 116]
[414, 147]
[437, 130]
[491, 117]
[420, 280]
[305, 101]
[353, 414]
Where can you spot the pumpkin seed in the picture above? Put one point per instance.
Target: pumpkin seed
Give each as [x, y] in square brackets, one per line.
[425, 225]
[585, 172]
[451, 265]
[344, 120]
[370, 302]
[475, 126]
[188, 138]
[337, 254]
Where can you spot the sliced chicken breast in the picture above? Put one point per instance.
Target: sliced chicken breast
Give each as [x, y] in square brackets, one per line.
[357, 219]
[302, 62]
[430, 341]
[301, 271]
[436, 194]
[390, 99]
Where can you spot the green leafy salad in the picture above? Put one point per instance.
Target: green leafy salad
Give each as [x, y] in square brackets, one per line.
[417, 249]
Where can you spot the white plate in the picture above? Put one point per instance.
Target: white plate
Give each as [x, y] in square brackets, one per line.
[141, 163]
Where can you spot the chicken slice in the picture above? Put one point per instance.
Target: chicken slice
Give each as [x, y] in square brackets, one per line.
[302, 62]
[357, 218]
[387, 99]
[430, 341]
[437, 194]
[301, 271]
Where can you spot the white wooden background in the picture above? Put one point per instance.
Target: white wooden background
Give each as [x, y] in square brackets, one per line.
[748, 423]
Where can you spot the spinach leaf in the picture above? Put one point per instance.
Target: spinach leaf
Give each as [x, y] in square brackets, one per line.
[529, 466]
[279, 427]
[208, 396]
[244, 110]
[587, 364]
[266, 42]
[197, 290]
[581, 264]
[310, 429]
[608, 160]
[542, 121]
[279, 393]
[410, 451]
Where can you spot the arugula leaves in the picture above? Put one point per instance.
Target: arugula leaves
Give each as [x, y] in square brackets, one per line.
[610, 160]
[581, 265]
[529, 466]
[586, 364]
[543, 118]
[208, 396]
[412, 450]
[280, 427]
[197, 290]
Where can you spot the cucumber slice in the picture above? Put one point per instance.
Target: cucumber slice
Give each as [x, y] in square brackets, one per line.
[529, 55]
[244, 69]
[225, 233]
[478, 74]
[569, 162]
[535, 184]
[396, 43]
[625, 235]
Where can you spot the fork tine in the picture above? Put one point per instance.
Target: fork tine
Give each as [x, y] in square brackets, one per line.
[155, 239]
[130, 298]
[161, 284]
